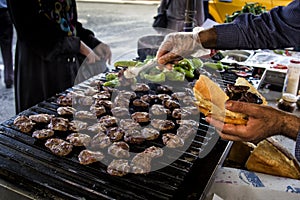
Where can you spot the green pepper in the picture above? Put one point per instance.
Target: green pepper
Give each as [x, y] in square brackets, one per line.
[111, 76]
[197, 63]
[188, 73]
[112, 83]
[175, 75]
[215, 66]
[155, 78]
[125, 63]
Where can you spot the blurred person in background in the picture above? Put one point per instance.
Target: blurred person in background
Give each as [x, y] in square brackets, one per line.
[278, 28]
[50, 41]
[6, 40]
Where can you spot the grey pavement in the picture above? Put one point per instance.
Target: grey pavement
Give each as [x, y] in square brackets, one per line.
[118, 23]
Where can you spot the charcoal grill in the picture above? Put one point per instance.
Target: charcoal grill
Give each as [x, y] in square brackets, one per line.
[27, 163]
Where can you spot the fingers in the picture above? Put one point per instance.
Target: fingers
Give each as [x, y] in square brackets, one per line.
[243, 107]
[168, 57]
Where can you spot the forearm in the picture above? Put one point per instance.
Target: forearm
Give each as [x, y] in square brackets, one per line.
[290, 126]
[208, 38]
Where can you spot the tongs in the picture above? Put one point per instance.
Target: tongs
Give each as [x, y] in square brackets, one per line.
[133, 72]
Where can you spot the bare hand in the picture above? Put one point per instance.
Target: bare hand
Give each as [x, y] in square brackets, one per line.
[264, 121]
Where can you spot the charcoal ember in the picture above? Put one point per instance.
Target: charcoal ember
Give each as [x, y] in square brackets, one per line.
[58, 146]
[172, 141]
[79, 139]
[87, 157]
[119, 150]
[118, 167]
[154, 152]
[106, 103]
[186, 132]
[41, 118]
[90, 91]
[58, 124]
[66, 110]
[97, 110]
[141, 87]
[96, 128]
[141, 117]
[108, 121]
[120, 112]
[129, 124]
[115, 133]
[171, 104]
[102, 95]
[158, 109]
[64, 100]
[150, 133]
[141, 163]
[43, 133]
[163, 125]
[100, 141]
[190, 123]
[77, 125]
[83, 114]
[133, 137]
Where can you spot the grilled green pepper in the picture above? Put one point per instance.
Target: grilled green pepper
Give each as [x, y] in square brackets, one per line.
[161, 77]
[126, 63]
[186, 66]
[112, 83]
[175, 75]
[111, 76]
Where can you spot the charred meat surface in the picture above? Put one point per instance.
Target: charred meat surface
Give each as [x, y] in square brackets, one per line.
[41, 118]
[172, 141]
[158, 109]
[77, 125]
[58, 124]
[58, 146]
[162, 125]
[171, 104]
[87, 157]
[103, 95]
[164, 89]
[100, 141]
[141, 163]
[79, 139]
[186, 132]
[129, 124]
[24, 124]
[64, 100]
[96, 128]
[66, 110]
[133, 137]
[118, 167]
[43, 133]
[120, 112]
[141, 87]
[154, 152]
[141, 117]
[188, 122]
[140, 103]
[97, 110]
[106, 103]
[150, 133]
[83, 114]
[119, 150]
[115, 133]
[240, 93]
[108, 121]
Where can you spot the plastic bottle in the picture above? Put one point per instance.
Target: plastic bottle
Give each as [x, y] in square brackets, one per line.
[291, 81]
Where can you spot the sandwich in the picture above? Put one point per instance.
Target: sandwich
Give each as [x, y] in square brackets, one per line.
[211, 98]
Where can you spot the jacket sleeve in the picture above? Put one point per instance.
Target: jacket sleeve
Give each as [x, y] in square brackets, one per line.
[297, 148]
[278, 28]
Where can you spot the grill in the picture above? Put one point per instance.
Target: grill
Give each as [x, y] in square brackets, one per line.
[26, 162]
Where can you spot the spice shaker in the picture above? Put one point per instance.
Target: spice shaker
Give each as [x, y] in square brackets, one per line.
[287, 102]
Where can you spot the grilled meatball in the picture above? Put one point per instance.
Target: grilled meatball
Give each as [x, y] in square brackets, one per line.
[179, 113]
[150, 133]
[97, 110]
[108, 120]
[118, 167]
[106, 103]
[171, 104]
[96, 128]
[141, 87]
[158, 109]
[129, 124]
[192, 109]
[41, 118]
[172, 141]
[58, 124]
[119, 150]
[162, 125]
[24, 124]
[79, 139]
[141, 163]
[115, 133]
[133, 137]
[77, 125]
[104, 95]
[100, 141]
[188, 122]
[43, 134]
[164, 89]
[149, 98]
[178, 96]
[141, 117]
[58, 146]
[120, 111]
[85, 101]
[186, 132]
[163, 97]
[86, 157]
[154, 152]
[66, 110]
[83, 114]
[140, 103]
[64, 100]
[90, 91]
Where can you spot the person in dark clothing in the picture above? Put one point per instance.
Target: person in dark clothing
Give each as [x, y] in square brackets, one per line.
[6, 39]
[50, 39]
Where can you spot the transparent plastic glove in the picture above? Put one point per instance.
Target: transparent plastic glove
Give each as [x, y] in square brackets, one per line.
[178, 45]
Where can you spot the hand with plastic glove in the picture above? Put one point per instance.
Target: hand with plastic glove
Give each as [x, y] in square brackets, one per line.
[104, 52]
[178, 45]
[88, 52]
